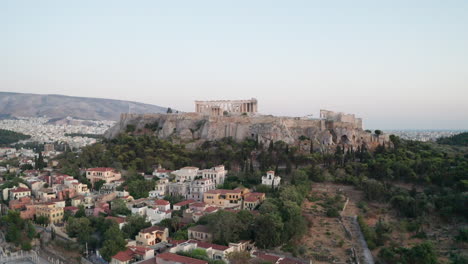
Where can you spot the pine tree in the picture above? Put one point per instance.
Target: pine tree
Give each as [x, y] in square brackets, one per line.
[40, 162]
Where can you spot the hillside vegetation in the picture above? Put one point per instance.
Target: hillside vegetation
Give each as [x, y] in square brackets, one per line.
[419, 183]
[458, 140]
[8, 137]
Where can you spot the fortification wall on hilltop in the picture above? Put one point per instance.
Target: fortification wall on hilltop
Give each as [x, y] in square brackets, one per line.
[196, 128]
[341, 117]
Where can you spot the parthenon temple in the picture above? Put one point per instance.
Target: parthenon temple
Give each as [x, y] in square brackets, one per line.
[219, 107]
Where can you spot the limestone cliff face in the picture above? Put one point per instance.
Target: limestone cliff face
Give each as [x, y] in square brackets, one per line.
[194, 129]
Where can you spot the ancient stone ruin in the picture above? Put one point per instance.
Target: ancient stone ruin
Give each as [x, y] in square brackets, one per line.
[223, 107]
[214, 120]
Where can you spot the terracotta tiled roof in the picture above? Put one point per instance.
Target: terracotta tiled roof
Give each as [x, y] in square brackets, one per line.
[139, 250]
[130, 253]
[161, 202]
[153, 229]
[125, 255]
[198, 204]
[119, 220]
[163, 171]
[20, 189]
[183, 203]
[209, 245]
[211, 209]
[267, 257]
[252, 197]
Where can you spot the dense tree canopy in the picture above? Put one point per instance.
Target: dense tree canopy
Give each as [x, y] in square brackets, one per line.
[459, 140]
[8, 137]
[17, 231]
[439, 171]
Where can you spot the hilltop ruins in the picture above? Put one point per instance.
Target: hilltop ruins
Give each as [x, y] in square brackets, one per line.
[214, 120]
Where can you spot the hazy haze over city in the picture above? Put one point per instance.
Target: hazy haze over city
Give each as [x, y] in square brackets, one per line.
[397, 64]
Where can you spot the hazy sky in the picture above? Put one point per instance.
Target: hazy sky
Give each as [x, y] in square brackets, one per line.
[397, 64]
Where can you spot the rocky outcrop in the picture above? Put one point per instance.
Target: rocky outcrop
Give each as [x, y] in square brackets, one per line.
[194, 129]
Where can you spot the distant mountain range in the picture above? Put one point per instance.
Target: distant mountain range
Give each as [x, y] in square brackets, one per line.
[60, 106]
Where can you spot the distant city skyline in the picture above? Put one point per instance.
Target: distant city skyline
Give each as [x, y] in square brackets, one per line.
[398, 64]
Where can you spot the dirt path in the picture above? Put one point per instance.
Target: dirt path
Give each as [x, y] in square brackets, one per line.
[349, 219]
[337, 240]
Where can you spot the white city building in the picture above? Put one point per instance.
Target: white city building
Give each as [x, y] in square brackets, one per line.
[271, 180]
[186, 174]
[216, 174]
[155, 216]
[199, 187]
[160, 190]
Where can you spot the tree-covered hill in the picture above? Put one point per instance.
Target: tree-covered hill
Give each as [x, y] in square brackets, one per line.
[459, 140]
[438, 173]
[9, 137]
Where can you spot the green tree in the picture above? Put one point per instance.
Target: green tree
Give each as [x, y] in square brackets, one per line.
[119, 207]
[42, 220]
[40, 164]
[134, 224]
[291, 193]
[81, 212]
[99, 184]
[80, 228]
[267, 230]
[223, 225]
[114, 242]
[294, 224]
[139, 188]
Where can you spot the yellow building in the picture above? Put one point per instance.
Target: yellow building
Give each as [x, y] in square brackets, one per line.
[51, 212]
[152, 235]
[225, 198]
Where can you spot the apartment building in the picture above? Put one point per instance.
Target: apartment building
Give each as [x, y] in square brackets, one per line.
[106, 174]
[152, 235]
[19, 192]
[199, 187]
[51, 212]
[225, 198]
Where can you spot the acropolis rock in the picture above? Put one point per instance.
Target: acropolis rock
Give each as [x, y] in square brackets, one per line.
[322, 134]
